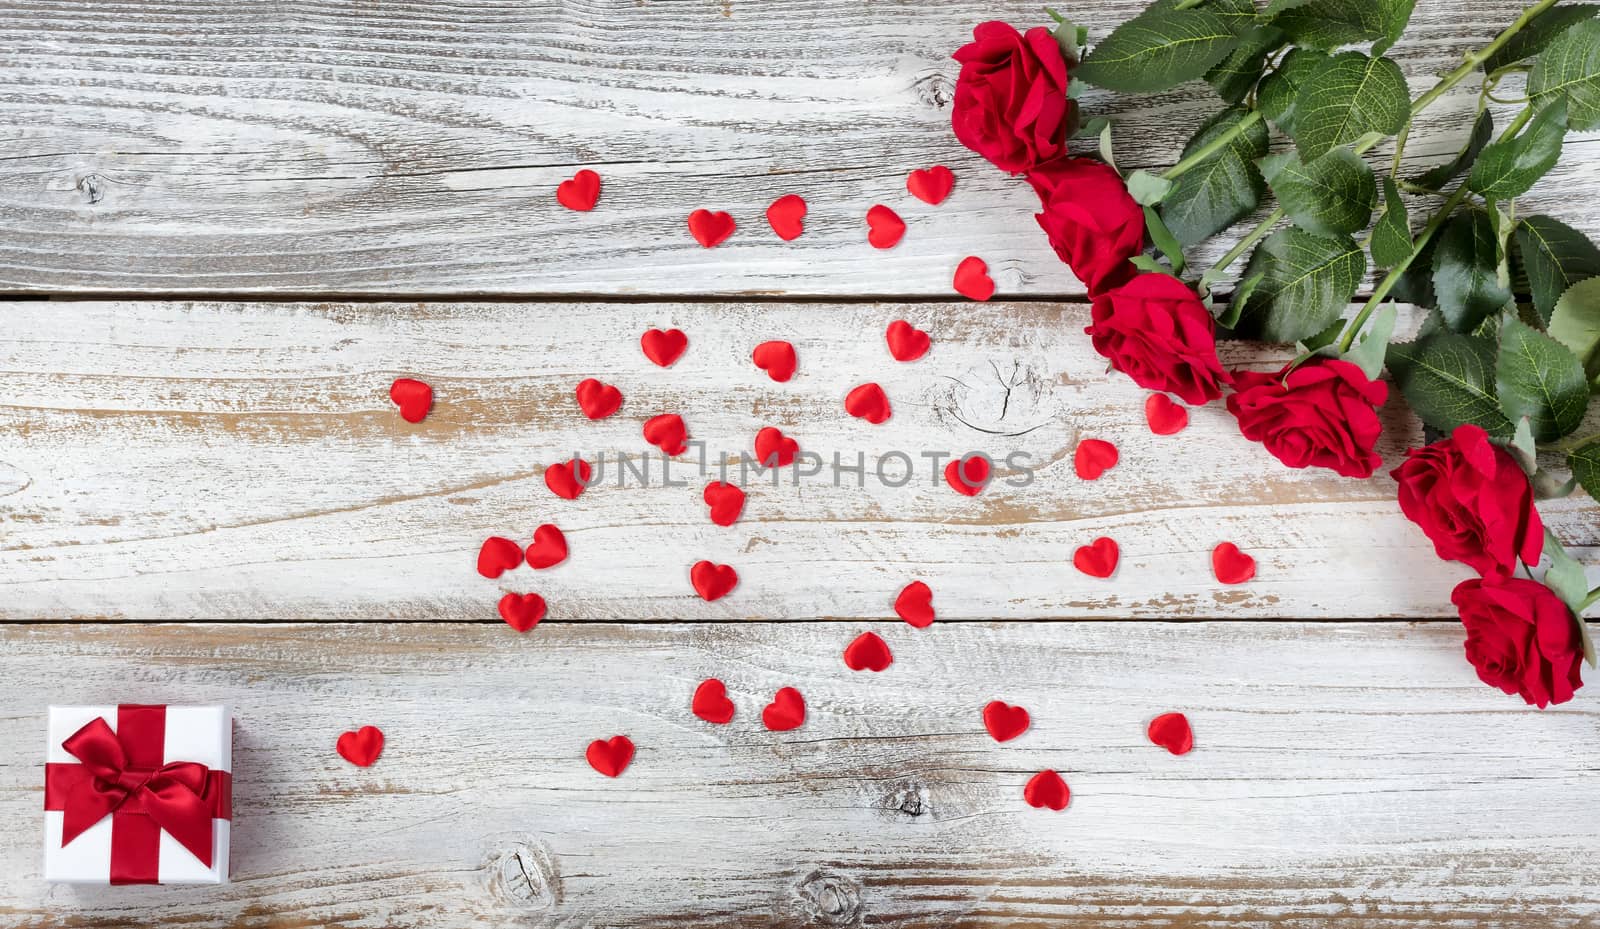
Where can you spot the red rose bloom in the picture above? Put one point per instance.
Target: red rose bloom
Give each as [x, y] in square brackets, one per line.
[1011, 102]
[1320, 414]
[1521, 638]
[1156, 331]
[1473, 502]
[1092, 222]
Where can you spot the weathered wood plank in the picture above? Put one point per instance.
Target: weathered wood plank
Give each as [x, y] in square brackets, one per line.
[1350, 775]
[243, 460]
[413, 147]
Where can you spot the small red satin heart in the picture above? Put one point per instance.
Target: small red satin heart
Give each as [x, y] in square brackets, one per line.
[868, 402]
[905, 342]
[549, 547]
[931, 185]
[610, 756]
[968, 476]
[361, 747]
[868, 652]
[787, 216]
[972, 279]
[1164, 416]
[667, 432]
[497, 556]
[1047, 789]
[414, 399]
[713, 581]
[564, 482]
[710, 227]
[786, 711]
[580, 192]
[597, 400]
[711, 702]
[1230, 565]
[1004, 721]
[1098, 558]
[776, 358]
[1093, 458]
[915, 604]
[1171, 731]
[772, 445]
[726, 502]
[885, 228]
[663, 346]
[522, 611]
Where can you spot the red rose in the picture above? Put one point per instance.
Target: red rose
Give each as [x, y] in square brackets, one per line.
[1473, 501]
[1011, 102]
[1521, 638]
[1320, 414]
[1092, 222]
[1156, 331]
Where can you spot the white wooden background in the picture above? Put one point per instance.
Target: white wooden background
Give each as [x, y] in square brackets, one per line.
[249, 217]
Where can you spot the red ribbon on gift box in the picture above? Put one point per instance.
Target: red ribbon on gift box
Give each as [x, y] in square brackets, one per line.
[123, 775]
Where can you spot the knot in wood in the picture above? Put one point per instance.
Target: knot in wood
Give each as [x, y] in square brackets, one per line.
[908, 799]
[934, 89]
[93, 187]
[829, 898]
[1008, 399]
[522, 874]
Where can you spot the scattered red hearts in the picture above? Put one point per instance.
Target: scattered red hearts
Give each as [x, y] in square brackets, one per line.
[773, 446]
[1171, 731]
[1047, 789]
[710, 227]
[497, 556]
[968, 476]
[597, 400]
[549, 547]
[1164, 416]
[713, 581]
[1230, 565]
[885, 228]
[868, 402]
[1004, 721]
[1097, 559]
[787, 216]
[414, 398]
[562, 480]
[580, 192]
[1093, 458]
[663, 346]
[776, 358]
[668, 433]
[726, 502]
[522, 611]
[868, 652]
[786, 711]
[361, 747]
[906, 343]
[972, 279]
[711, 702]
[931, 185]
[610, 756]
[915, 604]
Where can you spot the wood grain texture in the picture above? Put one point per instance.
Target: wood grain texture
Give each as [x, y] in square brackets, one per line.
[414, 147]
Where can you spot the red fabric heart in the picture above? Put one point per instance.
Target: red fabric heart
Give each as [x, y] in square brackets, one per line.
[1004, 721]
[610, 756]
[868, 652]
[1164, 416]
[968, 477]
[597, 400]
[580, 192]
[972, 279]
[414, 399]
[663, 346]
[1171, 731]
[710, 227]
[711, 702]
[667, 432]
[786, 711]
[915, 604]
[772, 443]
[885, 228]
[906, 343]
[787, 216]
[1230, 565]
[931, 185]
[1093, 458]
[361, 747]
[726, 502]
[564, 482]
[1097, 559]
[1047, 789]
[713, 581]
[497, 556]
[868, 402]
[776, 358]
[549, 547]
[522, 611]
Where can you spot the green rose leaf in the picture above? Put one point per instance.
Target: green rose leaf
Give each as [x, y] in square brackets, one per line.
[1565, 576]
[1368, 353]
[1585, 464]
[1147, 189]
[1328, 24]
[1570, 65]
[1554, 256]
[1416, 283]
[1281, 88]
[1163, 240]
[1348, 97]
[1509, 169]
[1158, 50]
[1235, 75]
[1466, 281]
[1219, 191]
[1533, 38]
[1306, 282]
[1331, 195]
[1539, 378]
[1448, 379]
[1576, 323]
[1439, 175]
[1391, 237]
